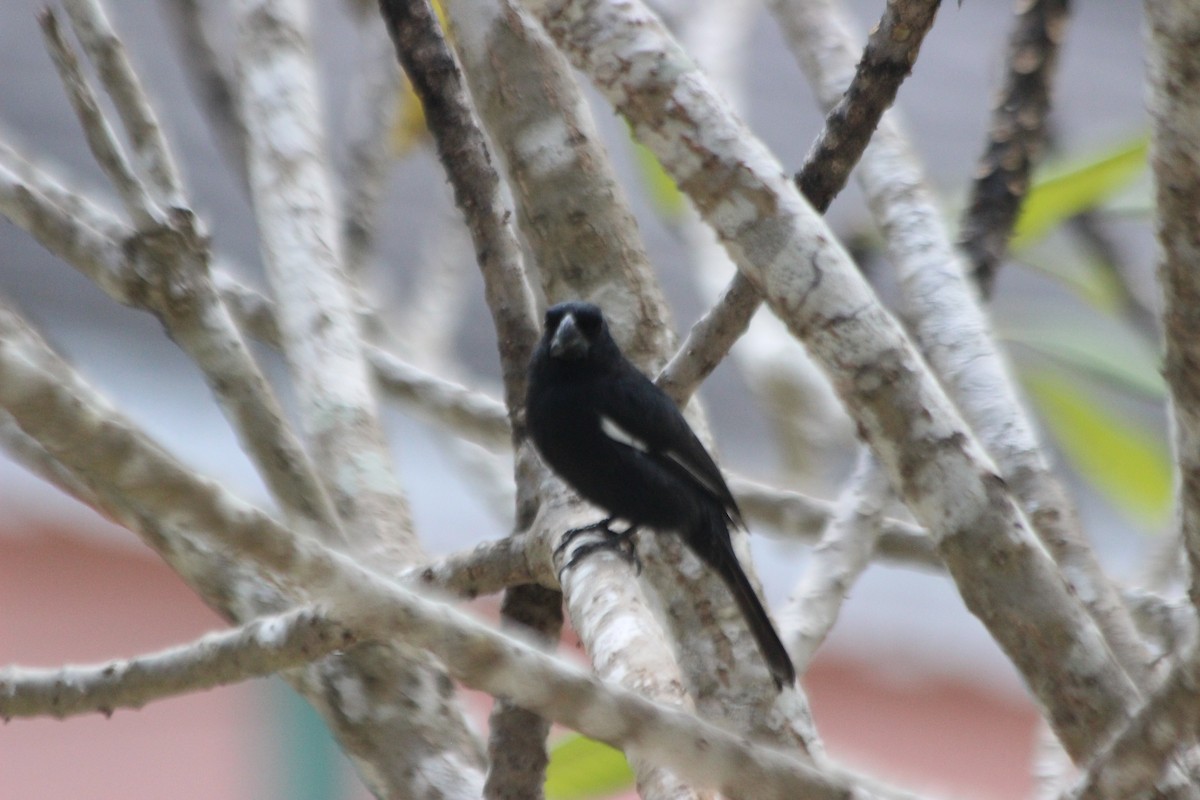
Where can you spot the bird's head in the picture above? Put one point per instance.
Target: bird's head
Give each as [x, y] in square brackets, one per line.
[575, 330]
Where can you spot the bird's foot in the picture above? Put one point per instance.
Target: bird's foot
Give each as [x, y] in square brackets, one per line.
[619, 542]
[574, 533]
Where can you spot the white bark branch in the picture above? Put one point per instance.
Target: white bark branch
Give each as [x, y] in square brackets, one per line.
[886, 62]
[844, 551]
[617, 627]
[28, 452]
[785, 248]
[164, 269]
[560, 175]
[805, 419]
[950, 326]
[101, 138]
[487, 568]
[299, 232]
[1130, 765]
[66, 224]
[151, 154]
[260, 647]
[798, 515]
[62, 413]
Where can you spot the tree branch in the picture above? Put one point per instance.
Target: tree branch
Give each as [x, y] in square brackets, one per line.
[436, 78]
[1175, 106]
[62, 414]
[1016, 138]
[517, 742]
[374, 107]
[786, 250]
[164, 268]
[886, 62]
[954, 335]
[487, 568]
[844, 551]
[66, 224]
[151, 154]
[100, 137]
[210, 82]
[1130, 764]
[260, 647]
[293, 201]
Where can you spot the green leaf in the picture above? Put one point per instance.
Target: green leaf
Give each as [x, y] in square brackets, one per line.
[1125, 361]
[1066, 189]
[1128, 462]
[664, 194]
[581, 767]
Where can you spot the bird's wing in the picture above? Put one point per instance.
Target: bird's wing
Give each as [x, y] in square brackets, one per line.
[636, 413]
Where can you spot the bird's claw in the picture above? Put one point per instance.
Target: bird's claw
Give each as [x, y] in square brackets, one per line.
[619, 542]
[574, 533]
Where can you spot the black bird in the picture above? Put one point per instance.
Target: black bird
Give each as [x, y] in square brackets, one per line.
[623, 445]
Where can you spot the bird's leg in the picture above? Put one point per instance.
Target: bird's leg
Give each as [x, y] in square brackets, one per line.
[623, 543]
[620, 542]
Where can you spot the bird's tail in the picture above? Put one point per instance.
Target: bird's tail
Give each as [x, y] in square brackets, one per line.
[717, 551]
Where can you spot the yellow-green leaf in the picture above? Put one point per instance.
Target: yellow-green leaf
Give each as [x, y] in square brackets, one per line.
[408, 131]
[1127, 461]
[1064, 190]
[664, 194]
[581, 767]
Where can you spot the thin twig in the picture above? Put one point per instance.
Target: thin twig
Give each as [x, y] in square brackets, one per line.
[844, 551]
[487, 568]
[436, 78]
[210, 82]
[372, 111]
[886, 62]
[100, 137]
[107, 53]
[261, 647]
[1016, 137]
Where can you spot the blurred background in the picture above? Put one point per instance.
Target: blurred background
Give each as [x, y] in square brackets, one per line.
[908, 685]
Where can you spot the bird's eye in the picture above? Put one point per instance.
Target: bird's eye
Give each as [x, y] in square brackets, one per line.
[552, 318]
[589, 323]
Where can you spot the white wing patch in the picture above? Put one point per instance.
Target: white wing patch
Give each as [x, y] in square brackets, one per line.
[700, 479]
[618, 434]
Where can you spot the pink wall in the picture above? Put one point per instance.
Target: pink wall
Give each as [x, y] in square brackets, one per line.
[63, 601]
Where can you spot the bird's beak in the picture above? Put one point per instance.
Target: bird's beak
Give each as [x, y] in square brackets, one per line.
[568, 342]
